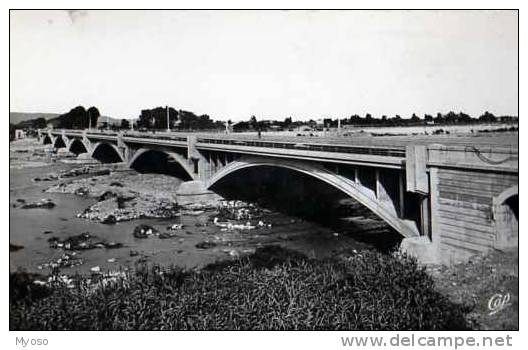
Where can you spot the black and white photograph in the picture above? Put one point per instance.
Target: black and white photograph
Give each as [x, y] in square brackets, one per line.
[264, 170]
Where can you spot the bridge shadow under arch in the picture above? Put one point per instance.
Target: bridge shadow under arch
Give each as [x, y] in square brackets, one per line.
[106, 153]
[59, 142]
[47, 140]
[160, 162]
[309, 192]
[77, 147]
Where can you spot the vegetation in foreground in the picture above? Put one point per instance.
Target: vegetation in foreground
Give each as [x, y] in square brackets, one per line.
[272, 289]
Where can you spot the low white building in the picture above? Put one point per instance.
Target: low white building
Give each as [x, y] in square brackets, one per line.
[20, 134]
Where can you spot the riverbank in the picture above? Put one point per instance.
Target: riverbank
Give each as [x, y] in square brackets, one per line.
[272, 289]
[478, 284]
[277, 288]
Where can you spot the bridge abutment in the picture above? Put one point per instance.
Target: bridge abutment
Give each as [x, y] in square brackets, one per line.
[465, 185]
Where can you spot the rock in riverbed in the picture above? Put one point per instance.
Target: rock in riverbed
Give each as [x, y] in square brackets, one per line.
[144, 231]
[49, 177]
[109, 220]
[175, 227]
[205, 245]
[68, 259]
[84, 241]
[165, 235]
[42, 204]
[14, 247]
[107, 195]
[84, 171]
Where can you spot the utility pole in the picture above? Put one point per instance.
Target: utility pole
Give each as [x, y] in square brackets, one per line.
[168, 124]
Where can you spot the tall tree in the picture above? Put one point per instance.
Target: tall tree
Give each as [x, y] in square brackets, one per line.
[253, 122]
[93, 114]
[487, 118]
[125, 124]
[415, 118]
[287, 122]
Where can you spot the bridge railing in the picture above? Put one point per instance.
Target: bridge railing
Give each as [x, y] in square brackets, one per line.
[397, 151]
[156, 136]
[320, 147]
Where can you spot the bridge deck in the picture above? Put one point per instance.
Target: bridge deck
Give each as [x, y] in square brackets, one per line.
[454, 149]
[505, 139]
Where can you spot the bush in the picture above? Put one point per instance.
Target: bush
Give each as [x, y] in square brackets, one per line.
[368, 291]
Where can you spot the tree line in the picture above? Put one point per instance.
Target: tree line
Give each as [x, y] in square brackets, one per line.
[77, 118]
[450, 118]
[156, 119]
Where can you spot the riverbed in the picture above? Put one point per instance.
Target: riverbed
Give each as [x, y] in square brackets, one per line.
[33, 228]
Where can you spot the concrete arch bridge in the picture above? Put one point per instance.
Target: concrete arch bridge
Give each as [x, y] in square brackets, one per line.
[448, 201]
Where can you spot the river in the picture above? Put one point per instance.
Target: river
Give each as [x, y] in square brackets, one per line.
[28, 227]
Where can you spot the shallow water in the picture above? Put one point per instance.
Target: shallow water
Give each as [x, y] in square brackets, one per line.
[27, 228]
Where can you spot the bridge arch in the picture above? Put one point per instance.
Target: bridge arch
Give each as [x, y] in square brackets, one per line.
[506, 218]
[163, 162]
[59, 142]
[363, 195]
[505, 195]
[77, 146]
[106, 152]
[47, 140]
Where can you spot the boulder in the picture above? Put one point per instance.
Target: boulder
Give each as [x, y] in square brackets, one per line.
[205, 245]
[113, 245]
[109, 220]
[144, 231]
[43, 204]
[165, 235]
[107, 195]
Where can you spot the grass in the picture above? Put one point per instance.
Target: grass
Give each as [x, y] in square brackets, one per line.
[270, 290]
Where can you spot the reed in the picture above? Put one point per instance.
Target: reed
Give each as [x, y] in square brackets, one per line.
[266, 291]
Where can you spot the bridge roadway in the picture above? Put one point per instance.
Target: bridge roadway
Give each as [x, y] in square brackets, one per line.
[450, 196]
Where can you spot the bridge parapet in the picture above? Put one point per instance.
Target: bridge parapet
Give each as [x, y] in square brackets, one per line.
[386, 157]
[489, 158]
[396, 151]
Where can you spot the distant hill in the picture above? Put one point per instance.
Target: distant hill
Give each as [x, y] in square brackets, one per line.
[17, 117]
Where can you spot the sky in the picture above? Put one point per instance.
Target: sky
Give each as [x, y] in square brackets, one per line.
[271, 64]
